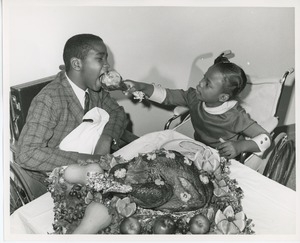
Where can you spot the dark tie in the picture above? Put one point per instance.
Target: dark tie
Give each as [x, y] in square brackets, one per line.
[86, 102]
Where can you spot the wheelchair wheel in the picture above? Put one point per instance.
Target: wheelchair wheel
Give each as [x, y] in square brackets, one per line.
[18, 195]
[23, 188]
[282, 160]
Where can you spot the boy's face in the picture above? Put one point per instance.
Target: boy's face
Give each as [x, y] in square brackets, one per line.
[94, 65]
[210, 88]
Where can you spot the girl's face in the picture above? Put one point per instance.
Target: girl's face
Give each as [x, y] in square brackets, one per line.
[210, 88]
[93, 66]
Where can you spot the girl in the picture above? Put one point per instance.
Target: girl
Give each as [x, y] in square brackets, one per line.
[217, 118]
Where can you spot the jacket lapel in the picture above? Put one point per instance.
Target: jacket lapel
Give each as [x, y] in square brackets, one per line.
[73, 102]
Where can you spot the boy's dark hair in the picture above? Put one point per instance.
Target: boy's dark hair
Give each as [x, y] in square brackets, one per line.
[235, 79]
[78, 46]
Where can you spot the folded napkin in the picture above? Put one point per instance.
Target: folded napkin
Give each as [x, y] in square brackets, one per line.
[83, 139]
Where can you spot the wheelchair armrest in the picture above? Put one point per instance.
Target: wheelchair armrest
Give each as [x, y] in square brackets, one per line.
[180, 110]
[177, 112]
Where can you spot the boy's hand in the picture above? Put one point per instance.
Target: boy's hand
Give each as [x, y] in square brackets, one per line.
[228, 149]
[103, 145]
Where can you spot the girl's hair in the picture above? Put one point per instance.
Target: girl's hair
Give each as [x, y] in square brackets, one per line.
[78, 46]
[235, 79]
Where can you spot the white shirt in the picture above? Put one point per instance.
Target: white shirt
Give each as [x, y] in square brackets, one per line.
[80, 93]
[226, 106]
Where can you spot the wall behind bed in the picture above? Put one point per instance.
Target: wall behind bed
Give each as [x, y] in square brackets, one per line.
[170, 45]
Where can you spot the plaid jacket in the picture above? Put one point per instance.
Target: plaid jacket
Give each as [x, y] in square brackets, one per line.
[52, 115]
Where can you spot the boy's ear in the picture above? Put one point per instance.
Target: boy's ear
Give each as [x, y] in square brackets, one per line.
[76, 63]
[223, 97]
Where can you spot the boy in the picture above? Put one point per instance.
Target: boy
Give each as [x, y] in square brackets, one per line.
[59, 107]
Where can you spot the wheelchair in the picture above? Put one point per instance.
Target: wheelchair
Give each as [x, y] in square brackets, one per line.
[23, 188]
[260, 99]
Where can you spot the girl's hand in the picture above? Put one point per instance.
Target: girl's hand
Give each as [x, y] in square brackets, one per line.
[132, 86]
[229, 149]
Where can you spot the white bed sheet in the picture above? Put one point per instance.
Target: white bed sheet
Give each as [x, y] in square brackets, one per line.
[271, 205]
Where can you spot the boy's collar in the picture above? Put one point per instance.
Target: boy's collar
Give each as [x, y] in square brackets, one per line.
[226, 106]
[75, 86]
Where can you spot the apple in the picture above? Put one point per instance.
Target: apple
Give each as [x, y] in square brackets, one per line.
[130, 225]
[199, 224]
[164, 225]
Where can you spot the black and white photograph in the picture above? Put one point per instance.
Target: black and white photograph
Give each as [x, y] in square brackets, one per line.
[161, 120]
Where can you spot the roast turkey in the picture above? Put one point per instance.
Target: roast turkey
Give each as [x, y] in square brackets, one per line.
[164, 180]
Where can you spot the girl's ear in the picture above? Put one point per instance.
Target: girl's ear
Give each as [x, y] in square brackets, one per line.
[76, 63]
[223, 97]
